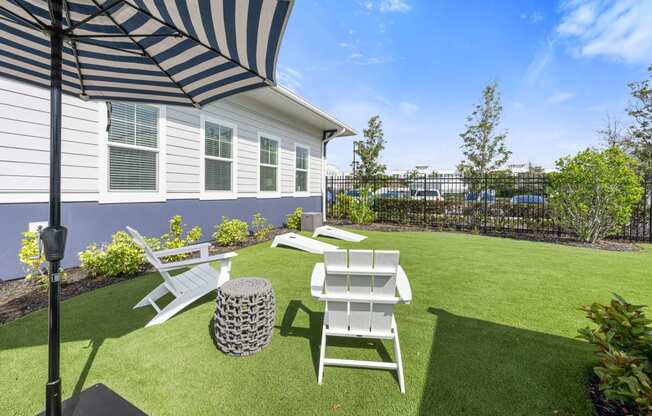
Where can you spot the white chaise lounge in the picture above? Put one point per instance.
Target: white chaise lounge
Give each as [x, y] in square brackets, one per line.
[188, 286]
[302, 243]
[333, 232]
[360, 288]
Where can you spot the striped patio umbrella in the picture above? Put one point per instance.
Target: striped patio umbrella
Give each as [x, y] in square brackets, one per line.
[176, 52]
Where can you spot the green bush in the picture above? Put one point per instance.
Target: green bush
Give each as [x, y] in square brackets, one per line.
[231, 232]
[33, 264]
[260, 226]
[361, 213]
[623, 338]
[174, 237]
[341, 209]
[595, 192]
[294, 219]
[121, 256]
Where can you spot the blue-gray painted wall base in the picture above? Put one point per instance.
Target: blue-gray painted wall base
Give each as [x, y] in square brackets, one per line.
[92, 222]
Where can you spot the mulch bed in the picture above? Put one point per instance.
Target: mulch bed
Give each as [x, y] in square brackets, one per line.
[604, 407]
[609, 245]
[20, 297]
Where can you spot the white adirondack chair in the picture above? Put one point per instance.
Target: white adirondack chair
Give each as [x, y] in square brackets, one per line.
[360, 288]
[188, 286]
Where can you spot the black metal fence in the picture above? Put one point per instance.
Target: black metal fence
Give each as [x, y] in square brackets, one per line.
[515, 204]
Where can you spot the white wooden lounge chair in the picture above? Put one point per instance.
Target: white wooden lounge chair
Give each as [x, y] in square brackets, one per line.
[188, 286]
[333, 232]
[302, 243]
[360, 288]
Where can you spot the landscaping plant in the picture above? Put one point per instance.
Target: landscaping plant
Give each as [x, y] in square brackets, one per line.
[623, 338]
[122, 256]
[260, 226]
[595, 192]
[294, 219]
[174, 237]
[231, 232]
[34, 264]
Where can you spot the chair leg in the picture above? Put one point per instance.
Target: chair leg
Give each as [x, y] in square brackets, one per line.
[160, 291]
[322, 355]
[399, 360]
[172, 309]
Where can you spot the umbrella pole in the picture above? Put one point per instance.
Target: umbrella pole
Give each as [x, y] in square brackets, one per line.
[54, 235]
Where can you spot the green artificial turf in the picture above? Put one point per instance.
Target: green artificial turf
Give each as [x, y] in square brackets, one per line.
[491, 331]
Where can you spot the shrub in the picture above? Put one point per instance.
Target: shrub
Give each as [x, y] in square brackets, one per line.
[623, 338]
[33, 264]
[174, 237]
[595, 192]
[341, 209]
[361, 213]
[260, 226]
[294, 219]
[121, 256]
[231, 232]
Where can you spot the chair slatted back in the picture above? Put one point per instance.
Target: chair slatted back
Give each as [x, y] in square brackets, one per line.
[154, 261]
[355, 274]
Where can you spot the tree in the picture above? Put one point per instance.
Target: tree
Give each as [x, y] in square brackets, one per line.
[640, 132]
[612, 133]
[595, 192]
[369, 150]
[483, 145]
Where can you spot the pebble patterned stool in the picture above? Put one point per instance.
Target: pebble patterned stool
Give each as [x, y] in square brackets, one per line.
[244, 317]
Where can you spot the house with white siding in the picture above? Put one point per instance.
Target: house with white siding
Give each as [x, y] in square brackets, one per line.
[135, 164]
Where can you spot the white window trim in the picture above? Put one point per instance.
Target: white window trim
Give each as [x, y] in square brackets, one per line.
[214, 195]
[279, 163]
[294, 179]
[105, 195]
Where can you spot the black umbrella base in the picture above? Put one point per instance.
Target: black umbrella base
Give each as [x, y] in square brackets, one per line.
[98, 400]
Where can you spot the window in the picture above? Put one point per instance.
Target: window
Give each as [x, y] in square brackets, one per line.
[218, 157]
[133, 147]
[302, 154]
[268, 164]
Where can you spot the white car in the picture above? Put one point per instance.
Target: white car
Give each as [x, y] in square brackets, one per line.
[429, 194]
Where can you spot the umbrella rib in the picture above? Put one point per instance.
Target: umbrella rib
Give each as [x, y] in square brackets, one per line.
[94, 15]
[147, 55]
[32, 25]
[151, 16]
[139, 35]
[36, 19]
[99, 45]
[73, 44]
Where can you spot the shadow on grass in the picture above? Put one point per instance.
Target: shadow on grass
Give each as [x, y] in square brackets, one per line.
[313, 334]
[482, 368]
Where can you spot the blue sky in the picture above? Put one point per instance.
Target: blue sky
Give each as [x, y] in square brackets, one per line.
[562, 68]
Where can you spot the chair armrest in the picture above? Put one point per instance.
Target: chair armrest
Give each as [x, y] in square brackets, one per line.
[317, 280]
[403, 286]
[181, 250]
[193, 262]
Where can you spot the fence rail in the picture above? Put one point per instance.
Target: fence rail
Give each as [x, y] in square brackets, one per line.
[493, 204]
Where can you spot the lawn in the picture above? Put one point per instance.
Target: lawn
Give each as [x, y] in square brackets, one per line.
[491, 331]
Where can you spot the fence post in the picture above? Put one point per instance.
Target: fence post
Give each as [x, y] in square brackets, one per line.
[485, 204]
[425, 202]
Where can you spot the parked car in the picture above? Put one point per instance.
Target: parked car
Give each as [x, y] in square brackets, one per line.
[393, 193]
[488, 196]
[430, 194]
[528, 200]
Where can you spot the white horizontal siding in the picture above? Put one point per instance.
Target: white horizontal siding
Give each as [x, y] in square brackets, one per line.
[24, 144]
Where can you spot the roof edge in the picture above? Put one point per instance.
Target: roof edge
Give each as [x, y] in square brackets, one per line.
[344, 130]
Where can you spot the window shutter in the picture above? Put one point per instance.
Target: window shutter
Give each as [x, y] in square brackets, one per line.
[132, 169]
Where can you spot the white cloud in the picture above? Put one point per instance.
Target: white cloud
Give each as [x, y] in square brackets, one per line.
[290, 78]
[394, 6]
[618, 29]
[386, 6]
[407, 107]
[532, 17]
[559, 97]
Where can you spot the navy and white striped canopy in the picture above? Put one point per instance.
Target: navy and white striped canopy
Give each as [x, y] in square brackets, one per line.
[181, 52]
